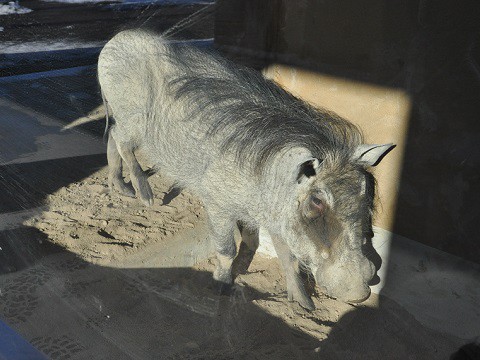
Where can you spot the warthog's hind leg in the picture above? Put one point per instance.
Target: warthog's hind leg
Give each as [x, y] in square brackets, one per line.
[137, 176]
[115, 178]
[246, 252]
[295, 288]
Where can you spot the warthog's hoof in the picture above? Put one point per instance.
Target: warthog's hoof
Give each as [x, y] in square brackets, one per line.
[147, 201]
[125, 189]
[304, 300]
[222, 288]
[145, 193]
[307, 304]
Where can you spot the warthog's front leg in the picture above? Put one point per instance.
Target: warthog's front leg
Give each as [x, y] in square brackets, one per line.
[115, 177]
[138, 177]
[221, 235]
[295, 288]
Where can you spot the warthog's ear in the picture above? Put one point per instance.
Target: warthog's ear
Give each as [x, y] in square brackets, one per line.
[308, 169]
[371, 154]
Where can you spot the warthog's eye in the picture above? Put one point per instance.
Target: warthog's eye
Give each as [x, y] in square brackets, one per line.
[317, 204]
[314, 206]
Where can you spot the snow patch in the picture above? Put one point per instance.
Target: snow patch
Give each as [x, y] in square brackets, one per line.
[169, 2]
[80, 1]
[166, 2]
[10, 47]
[13, 8]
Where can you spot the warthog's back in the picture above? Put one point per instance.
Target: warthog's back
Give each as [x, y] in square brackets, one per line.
[209, 123]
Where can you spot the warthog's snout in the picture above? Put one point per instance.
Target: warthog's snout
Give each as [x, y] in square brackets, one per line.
[347, 281]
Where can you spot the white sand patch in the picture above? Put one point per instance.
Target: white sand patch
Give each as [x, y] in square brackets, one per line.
[10, 47]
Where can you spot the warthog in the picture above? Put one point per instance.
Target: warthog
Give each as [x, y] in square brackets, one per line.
[255, 155]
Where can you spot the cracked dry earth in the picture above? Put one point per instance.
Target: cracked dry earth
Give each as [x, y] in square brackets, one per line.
[83, 303]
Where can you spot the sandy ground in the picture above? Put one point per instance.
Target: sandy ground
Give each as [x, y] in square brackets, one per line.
[103, 227]
[82, 303]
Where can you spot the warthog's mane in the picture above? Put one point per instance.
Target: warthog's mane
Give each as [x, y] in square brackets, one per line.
[255, 117]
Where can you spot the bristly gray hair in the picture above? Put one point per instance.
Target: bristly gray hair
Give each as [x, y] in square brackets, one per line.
[254, 116]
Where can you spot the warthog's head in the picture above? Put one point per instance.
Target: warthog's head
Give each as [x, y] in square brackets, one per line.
[336, 204]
